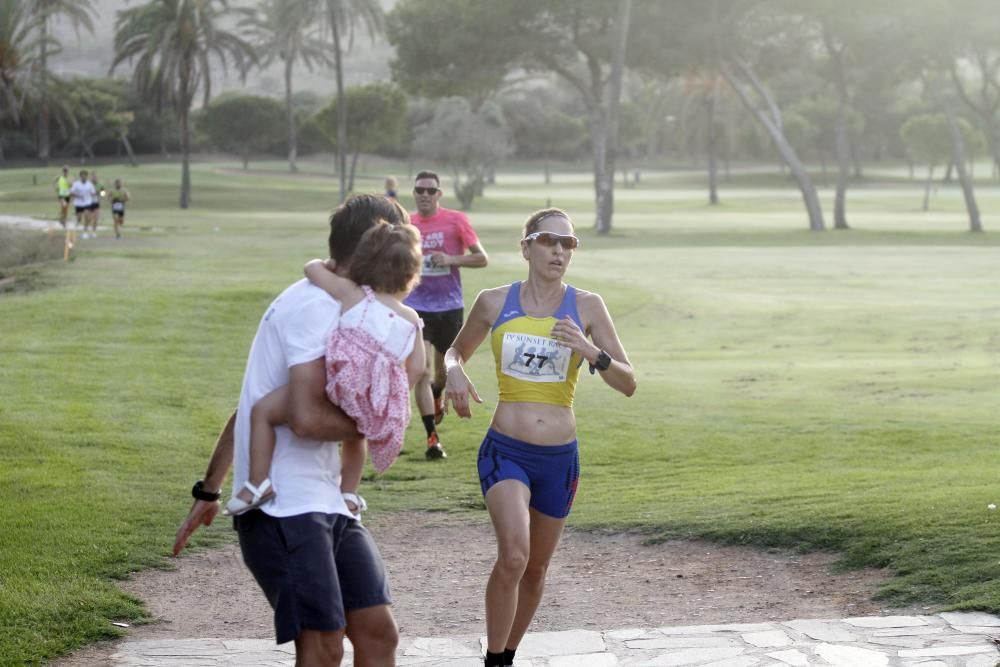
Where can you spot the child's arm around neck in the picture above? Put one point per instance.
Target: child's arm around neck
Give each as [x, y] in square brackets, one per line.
[320, 273]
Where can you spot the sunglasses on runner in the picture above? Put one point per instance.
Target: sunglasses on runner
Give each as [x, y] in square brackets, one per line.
[426, 191]
[549, 239]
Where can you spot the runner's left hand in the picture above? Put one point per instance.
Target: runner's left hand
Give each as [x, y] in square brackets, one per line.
[569, 334]
[201, 514]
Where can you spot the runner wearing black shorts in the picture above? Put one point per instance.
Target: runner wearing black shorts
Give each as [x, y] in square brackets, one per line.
[83, 194]
[62, 184]
[449, 243]
[441, 328]
[95, 204]
[119, 197]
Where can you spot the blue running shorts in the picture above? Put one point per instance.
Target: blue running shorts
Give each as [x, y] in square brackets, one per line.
[550, 472]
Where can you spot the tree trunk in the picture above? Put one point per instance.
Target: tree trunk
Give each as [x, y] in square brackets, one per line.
[986, 108]
[293, 144]
[859, 172]
[354, 166]
[958, 149]
[606, 185]
[927, 187]
[773, 128]
[711, 103]
[957, 155]
[710, 145]
[548, 173]
[44, 138]
[994, 143]
[341, 109]
[128, 148]
[185, 200]
[947, 173]
[602, 188]
[843, 147]
[246, 161]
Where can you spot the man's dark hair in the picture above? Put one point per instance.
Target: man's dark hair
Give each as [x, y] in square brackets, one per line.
[428, 174]
[356, 216]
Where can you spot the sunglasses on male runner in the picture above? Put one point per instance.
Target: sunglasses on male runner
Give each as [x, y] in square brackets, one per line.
[426, 191]
[549, 239]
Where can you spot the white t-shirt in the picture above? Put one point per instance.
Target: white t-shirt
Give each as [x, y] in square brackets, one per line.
[305, 473]
[83, 193]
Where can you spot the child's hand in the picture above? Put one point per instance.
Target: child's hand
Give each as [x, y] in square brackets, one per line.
[315, 265]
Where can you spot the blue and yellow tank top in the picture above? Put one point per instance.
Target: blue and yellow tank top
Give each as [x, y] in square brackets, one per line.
[530, 365]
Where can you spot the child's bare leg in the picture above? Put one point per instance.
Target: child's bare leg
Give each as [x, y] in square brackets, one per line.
[267, 413]
[352, 463]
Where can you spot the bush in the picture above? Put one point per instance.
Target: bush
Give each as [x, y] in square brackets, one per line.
[19, 247]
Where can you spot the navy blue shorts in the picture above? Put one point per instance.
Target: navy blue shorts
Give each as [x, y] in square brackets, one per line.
[551, 472]
[312, 567]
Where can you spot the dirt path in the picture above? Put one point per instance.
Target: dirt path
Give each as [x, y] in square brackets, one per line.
[601, 581]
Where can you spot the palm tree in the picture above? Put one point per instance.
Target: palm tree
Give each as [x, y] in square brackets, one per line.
[282, 30]
[17, 60]
[173, 43]
[341, 17]
[80, 14]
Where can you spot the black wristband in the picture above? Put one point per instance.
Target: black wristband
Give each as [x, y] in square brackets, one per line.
[199, 493]
[602, 363]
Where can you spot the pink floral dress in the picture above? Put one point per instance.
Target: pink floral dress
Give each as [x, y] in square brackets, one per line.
[366, 377]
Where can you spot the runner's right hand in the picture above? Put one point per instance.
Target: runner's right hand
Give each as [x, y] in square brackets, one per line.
[457, 390]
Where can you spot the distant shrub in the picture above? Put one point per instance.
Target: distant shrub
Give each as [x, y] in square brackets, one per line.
[19, 247]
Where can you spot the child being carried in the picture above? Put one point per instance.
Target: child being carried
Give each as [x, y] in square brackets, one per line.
[373, 359]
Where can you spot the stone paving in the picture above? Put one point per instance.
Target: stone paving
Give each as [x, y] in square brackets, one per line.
[942, 640]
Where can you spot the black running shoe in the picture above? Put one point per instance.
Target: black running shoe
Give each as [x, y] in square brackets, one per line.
[434, 448]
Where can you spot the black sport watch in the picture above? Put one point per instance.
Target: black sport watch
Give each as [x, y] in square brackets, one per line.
[602, 363]
[199, 493]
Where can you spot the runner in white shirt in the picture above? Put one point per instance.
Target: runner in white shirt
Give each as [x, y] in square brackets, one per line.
[83, 194]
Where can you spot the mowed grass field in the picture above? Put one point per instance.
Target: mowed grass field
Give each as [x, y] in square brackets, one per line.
[832, 391]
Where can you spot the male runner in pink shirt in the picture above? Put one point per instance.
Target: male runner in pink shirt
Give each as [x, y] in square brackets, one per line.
[448, 243]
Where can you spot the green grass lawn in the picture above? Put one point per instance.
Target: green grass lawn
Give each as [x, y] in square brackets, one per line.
[831, 391]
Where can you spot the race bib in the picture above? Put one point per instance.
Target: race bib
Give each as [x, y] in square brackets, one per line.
[118, 206]
[534, 358]
[428, 269]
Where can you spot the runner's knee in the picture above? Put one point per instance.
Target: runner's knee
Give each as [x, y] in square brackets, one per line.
[534, 576]
[512, 562]
[376, 636]
[319, 649]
